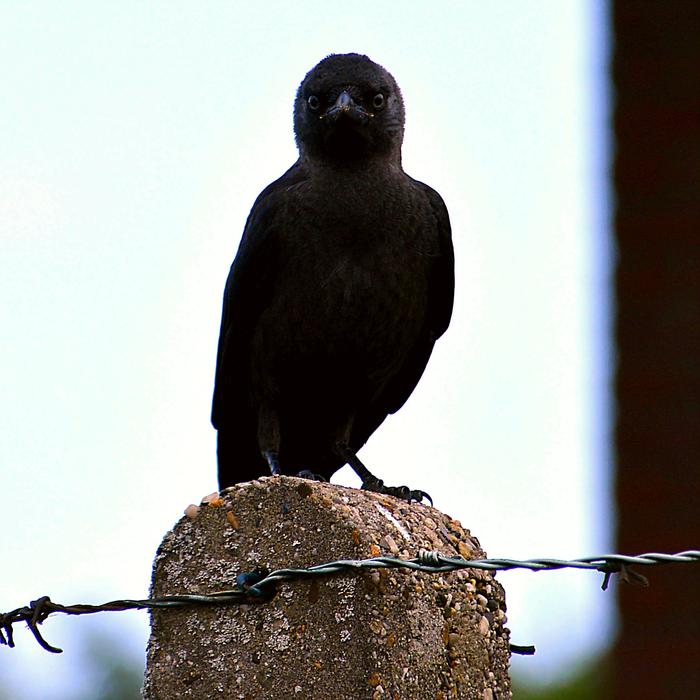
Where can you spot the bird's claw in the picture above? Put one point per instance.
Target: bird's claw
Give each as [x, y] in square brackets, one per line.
[402, 492]
[308, 474]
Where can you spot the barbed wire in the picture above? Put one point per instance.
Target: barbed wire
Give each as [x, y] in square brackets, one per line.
[260, 585]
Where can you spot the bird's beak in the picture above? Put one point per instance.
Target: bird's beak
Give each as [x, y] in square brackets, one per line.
[345, 106]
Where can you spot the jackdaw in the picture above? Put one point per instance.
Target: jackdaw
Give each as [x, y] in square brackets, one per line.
[343, 281]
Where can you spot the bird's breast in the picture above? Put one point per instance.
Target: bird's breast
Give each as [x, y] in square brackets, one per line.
[350, 300]
[346, 308]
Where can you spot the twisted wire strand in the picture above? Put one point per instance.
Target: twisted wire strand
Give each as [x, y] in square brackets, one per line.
[261, 586]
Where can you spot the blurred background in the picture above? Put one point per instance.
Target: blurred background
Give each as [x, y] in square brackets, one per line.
[134, 138]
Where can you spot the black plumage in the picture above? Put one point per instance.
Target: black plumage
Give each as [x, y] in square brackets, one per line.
[342, 283]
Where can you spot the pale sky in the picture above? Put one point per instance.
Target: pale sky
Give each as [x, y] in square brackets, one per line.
[134, 138]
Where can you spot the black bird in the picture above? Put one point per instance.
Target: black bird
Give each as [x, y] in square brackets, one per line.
[343, 281]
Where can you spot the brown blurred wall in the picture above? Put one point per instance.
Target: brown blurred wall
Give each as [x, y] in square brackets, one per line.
[656, 82]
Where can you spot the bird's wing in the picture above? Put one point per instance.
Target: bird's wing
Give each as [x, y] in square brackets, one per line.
[440, 301]
[442, 280]
[441, 285]
[246, 295]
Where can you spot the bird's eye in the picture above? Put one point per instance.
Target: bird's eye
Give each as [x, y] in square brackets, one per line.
[313, 102]
[378, 101]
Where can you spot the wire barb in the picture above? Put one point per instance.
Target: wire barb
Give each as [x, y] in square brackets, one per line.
[260, 586]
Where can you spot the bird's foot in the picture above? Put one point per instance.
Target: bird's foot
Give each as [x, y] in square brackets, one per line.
[372, 483]
[402, 492]
[308, 474]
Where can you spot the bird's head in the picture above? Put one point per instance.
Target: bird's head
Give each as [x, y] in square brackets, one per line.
[349, 108]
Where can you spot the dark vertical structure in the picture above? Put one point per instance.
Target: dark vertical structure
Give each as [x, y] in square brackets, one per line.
[656, 78]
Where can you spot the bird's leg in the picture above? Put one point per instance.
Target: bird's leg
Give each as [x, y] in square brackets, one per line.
[371, 482]
[269, 442]
[272, 459]
[269, 438]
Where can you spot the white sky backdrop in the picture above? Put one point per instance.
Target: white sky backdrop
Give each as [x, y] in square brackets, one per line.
[134, 138]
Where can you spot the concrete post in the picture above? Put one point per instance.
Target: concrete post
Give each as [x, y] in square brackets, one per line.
[390, 634]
